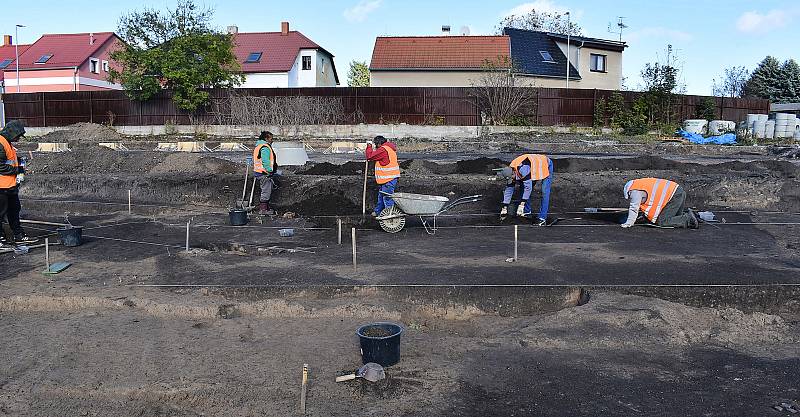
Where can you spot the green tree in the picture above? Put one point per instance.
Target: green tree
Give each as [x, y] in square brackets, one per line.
[732, 83]
[706, 109]
[789, 84]
[764, 81]
[358, 76]
[541, 21]
[176, 50]
[661, 82]
[615, 108]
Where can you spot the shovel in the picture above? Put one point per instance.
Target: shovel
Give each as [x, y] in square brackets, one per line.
[371, 371]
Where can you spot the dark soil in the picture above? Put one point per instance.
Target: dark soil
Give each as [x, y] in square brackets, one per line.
[327, 168]
[376, 331]
[479, 166]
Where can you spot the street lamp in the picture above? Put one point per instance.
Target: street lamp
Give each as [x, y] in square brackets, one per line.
[568, 33]
[16, 50]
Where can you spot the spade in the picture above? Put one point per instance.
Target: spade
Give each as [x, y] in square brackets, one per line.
[371, 371]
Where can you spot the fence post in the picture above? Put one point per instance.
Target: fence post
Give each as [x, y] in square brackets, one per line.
[91, 108]
[44, 112]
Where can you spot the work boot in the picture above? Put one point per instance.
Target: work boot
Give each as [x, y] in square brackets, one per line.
[541, 222]
[694, 223]
[264, 209]
[504, 211]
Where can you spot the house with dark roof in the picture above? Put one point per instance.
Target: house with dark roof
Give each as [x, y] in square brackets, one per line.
[537, 58]
[62, 62]
[283, 59]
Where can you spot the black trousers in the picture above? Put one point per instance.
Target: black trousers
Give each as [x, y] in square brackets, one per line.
[10, 208]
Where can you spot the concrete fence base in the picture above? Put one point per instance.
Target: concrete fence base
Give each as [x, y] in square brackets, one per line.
[331, 131]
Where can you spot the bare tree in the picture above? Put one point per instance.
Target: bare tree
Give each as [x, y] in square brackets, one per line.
[500, 93]
[541, 21]
[732, 83]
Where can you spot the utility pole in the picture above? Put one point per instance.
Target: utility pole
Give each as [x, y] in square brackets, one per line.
[568, 35]
[16, 50]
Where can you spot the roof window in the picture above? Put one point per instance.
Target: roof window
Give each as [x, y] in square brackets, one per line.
[44, 58]
[546, 56]
[253, 58]
[5, 63]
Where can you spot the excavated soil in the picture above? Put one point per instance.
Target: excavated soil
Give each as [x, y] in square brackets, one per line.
[82, 133]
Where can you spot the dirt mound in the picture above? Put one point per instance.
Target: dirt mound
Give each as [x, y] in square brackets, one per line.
[327, 168]
[192, 162]
[94, 160]
[83, 133]
[423, 167]
[479, 166]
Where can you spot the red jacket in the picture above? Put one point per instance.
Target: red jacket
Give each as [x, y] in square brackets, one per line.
[379, 154]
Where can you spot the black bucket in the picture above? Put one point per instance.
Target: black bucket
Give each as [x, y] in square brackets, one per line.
[238, 217]
[70, 235]
[380, 343]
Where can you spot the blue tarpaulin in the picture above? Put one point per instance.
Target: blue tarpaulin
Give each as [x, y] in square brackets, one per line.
[726, 139]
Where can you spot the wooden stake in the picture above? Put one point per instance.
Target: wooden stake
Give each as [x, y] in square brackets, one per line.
[252, 190]
[244, 189]
[129, 202]
[364, 195]
[339, 226]
[187, 236]
[353, 238]
[47, 253]
[516, 236]
[303, 389]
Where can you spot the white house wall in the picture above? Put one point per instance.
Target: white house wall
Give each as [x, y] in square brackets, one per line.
[325, 76]
[266, 80]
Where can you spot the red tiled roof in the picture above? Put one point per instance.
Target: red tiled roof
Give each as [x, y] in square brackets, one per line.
[278, 51]
[438, 52]
[68, 50]
[8, 52]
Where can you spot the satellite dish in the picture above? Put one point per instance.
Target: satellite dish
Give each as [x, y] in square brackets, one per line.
[464, 31]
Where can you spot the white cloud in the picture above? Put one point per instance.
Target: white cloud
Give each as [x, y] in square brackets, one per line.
[754, 22]
[657, 32]
[360, 11]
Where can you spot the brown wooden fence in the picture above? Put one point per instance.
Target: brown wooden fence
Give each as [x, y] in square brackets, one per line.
[453, 106]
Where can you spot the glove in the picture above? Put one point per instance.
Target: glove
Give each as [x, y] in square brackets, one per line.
[521, 209]
[626, 225]
[504, 211]
[20, 178]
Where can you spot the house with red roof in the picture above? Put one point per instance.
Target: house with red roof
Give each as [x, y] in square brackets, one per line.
[537, 59]
[63, 62]
[8, 53]
[283, 59]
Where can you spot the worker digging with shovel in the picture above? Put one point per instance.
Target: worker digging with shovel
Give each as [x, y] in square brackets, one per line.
[522, 173]
[387, 171]
[265, 166]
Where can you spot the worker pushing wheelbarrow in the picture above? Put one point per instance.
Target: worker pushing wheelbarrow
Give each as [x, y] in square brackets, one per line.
[428, 207]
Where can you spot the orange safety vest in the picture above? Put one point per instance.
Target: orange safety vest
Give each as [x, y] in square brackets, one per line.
[8, 181]
[540, 168]
[390, 171]
[258, 164]
[659, 192]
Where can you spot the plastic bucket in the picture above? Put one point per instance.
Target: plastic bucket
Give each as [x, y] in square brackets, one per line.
[70, 235]
[380, 343]
[237, 217]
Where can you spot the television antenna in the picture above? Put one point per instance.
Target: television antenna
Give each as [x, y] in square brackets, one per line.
[620, 27]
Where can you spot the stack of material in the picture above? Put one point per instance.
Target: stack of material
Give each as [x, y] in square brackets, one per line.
[697, 126]
[53, 147]
[167, 146]
[193, 147]
[785, 125]
[231, 147]
[346, 147]
[719, 127]
[117, 146]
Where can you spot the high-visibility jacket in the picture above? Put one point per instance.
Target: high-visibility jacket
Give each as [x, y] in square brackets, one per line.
[539, 166]
[8, 181]
[390, 171]
[258, 163]
[659, 192]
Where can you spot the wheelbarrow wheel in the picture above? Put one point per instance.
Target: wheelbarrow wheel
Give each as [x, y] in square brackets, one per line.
[392, 225]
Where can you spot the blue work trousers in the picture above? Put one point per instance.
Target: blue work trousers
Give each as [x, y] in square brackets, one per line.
[527, 188]
[383, 199]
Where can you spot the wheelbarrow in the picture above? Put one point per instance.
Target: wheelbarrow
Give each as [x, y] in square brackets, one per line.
[392, 219]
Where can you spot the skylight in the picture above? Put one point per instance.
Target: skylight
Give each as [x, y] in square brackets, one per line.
[546, 56]
[253, 57]
[5, 63]
[44, 58]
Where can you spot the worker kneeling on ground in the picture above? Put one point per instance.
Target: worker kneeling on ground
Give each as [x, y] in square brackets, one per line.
[661, 201]
[12, 173]
[265, 166]
[523, 172]
[387, 171]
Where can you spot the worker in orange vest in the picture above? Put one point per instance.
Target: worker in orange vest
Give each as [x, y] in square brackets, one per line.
[387, 171]
[265, 166]
[522, 172]
[12, 173]
[661, 201]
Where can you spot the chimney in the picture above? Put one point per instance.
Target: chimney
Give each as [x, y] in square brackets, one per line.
[8, 40]
[91, 39]
[446, 30]
[232, 30]
[284, 28]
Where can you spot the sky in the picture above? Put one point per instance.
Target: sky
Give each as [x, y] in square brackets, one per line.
[706, 35]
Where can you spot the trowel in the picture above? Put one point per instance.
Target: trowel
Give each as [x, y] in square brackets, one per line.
[371, 371]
